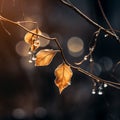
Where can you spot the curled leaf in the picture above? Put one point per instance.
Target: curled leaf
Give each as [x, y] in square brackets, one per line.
[33, 40]
[29, 37]
[44, 57]
[63, 75]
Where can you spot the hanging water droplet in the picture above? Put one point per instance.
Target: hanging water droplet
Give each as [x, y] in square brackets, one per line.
[33, 58]
[29, 53]
[106, 35]
[100, 87]
[105, 85]
[100, 92]
[91, 48]
[91, 59]
[85, 58]
[30, 61]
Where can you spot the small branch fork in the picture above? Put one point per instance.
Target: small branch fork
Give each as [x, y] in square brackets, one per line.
[107, 21]
[91, 48]
[95, 78]
[78, 11]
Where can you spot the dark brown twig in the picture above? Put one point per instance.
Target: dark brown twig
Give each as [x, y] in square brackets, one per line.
[91, 48]
[72, 6]
[107, 21]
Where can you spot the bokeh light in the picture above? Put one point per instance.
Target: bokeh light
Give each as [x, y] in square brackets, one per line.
[44, 42]
[96, 69]
[40, 112]
[28, 24]
[75, 46]
[19, 113]
[106, 63]
[22, 48]
[59, 37]
[26, 64]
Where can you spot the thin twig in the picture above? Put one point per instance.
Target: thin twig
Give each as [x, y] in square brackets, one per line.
[1, 6]
[91, 48]
[4, 28]
[21, 22]
[92, 70]
[1, 11]
[116, 65]
[87, 18]
[107, 21]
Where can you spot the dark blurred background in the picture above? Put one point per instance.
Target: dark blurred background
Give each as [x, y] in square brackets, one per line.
[28, 92]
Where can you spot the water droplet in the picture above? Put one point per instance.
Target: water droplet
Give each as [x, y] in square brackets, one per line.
[85, 58]
[93, 91]
[100, 92]
[30, 61]
[105, 85]
[33, 58]
[29, 53]
[26, 65]
[106, 35]
[100, 87]
[91, 59]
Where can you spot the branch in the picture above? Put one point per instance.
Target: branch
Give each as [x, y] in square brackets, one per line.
[69, 4]
[97, 79]
[91, 49]
[24, 28]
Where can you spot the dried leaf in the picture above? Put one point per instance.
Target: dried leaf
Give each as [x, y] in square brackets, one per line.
[29, 37]
[33, 40]
[63, 75]
[44, 57]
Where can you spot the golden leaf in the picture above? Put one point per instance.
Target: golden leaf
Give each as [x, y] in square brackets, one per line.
[44, 57]
[33, 40]
[29, 37]
[63, 75]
